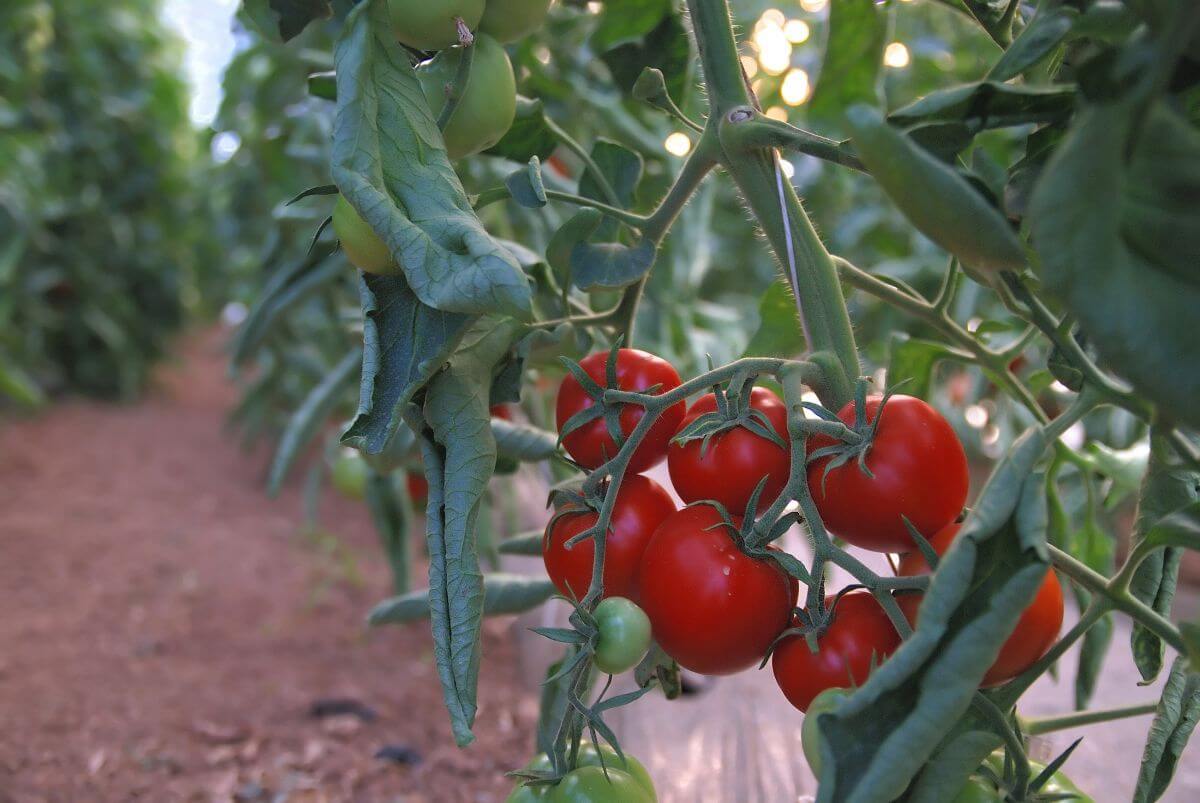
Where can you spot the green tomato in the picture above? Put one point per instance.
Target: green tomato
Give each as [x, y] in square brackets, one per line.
[593, 785]
[350, 474]
[624, 635]
[589, 756]
[1059, 783]
[810, 736]
[522, 793]
[489, 101]
[430, 24]
[362, 245]
[978, 790]
[509, 20]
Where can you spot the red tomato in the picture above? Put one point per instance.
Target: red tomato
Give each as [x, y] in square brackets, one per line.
[711, 607]
[735, 461]
[418, 487]
[591, 445]
[859, 635]
[503, 411]
[641, 506]
[1036, 630]
[920, 473]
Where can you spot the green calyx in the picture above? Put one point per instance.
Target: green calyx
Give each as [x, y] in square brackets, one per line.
[856, 441]
[610, 412]
[733, 411]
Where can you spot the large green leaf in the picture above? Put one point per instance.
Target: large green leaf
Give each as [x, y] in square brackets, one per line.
[858, 30]
[880, 738]
[988, 104]
[460, 454]
[1178, 712]
[502, 594]
[405, 343]
[779, 333]
[1167, 487]
[624, 21]
[390, 164]
[1115, 221]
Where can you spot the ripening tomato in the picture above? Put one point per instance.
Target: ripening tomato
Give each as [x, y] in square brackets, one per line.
[1036, 630]
[624, 635]
[488, 104]
[418, 487]
[858, 637]
[641, 506]
[599, 785]
[431, 24]
[510, 20]
[501, 411]
[363, 247]
[713, 608]
[735, 460]
[920, 473]
[350, 473]
[591, 445]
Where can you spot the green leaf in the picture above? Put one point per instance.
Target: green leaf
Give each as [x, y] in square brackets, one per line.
[529, 136]
[389, 163]
[573, 232]
[529, 543]
[525, 185]
[285, 19]
[405, 343]
[657, 665]
[19, 386]
[622, 169]
[601, 266]
[287, 288]
[310, 417]
[522, 441]
[858, 30]
[1178, 712]
[779, 333]
[988, 104]
[502, 594]
[1120, 245]
[460, 454]
[1038, 40]
[624, 21]
[947, 208]
[881, 736]
[323, 85]
[666, 48]
[912, 361]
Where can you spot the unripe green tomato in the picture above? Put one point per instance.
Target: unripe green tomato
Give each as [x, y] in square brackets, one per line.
[978, 790]
[509, 20]
[523, 793]
[489, 100]
[350, 474]
[810, 735]
[589, 756]
[430, 24]
[362, 245]
[595, 785]
[1059, 783]
[624, 635]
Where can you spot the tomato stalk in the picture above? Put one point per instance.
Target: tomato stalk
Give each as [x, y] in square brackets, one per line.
[1076, 719]
[455, 90]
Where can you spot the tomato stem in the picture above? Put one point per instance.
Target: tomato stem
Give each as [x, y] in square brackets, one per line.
[1041, 725]
[456, 89]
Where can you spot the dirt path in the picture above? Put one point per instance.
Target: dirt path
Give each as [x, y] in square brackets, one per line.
[166, 628]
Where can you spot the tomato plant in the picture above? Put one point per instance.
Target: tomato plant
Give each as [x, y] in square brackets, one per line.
[853, 638]
[641, 506]
[433, 25]
[1025, 298]
[913, 468]
[599, 785]
[810, 731]
[592, 444]
[362, 245]
[727, 464]
[713, 608]
[624, 635]
[1036, 630]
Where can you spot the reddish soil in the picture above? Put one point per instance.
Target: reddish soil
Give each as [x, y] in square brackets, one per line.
[167, 627]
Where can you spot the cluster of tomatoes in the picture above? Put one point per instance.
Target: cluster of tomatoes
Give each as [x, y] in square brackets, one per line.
[716, 609]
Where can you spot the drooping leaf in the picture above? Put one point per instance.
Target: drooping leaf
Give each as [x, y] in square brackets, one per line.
[307, 420]
[502, 594]
[988, 104]
[948, 209]
[390, 164]
[1045, 32]
[599, 266]
[779, 333]
[525, 185]
[288, 286]
[523, 442]
[1178, 712]
[528, 136]
[858, 30]
[1120, 245]
[529, 543]
[880, 737]
[460, 454]
[405, 342]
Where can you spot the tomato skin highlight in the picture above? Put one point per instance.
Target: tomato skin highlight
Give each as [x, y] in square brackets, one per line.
[429, 24]
[642, 504]
[596, 785]
[735, 461]
[858, 634]
[712, 608]
[510, 20]
[624, 635]
[362, 246]
[591, 445]
[920, 473]
[1036, 630]
[488, 104]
